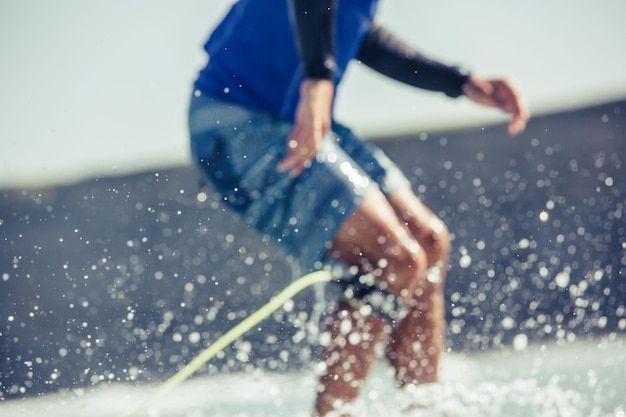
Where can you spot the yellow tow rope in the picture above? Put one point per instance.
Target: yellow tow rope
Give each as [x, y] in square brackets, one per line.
[233, 334]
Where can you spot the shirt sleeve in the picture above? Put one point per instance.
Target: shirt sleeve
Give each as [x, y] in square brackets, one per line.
[313, 22]
[385, 53]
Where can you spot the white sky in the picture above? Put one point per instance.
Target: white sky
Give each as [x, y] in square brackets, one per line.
[100, 87]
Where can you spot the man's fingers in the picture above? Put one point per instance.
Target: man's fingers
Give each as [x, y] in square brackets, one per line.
[518, 122]
[502, 94]
[516, 126]
[287, 163]
[299, 157]
[294, 165]
[514, 104]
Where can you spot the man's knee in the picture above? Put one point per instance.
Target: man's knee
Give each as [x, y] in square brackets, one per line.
[440, 238]
[423, 271]
[434, 237]
[438, 251]
[405, 267]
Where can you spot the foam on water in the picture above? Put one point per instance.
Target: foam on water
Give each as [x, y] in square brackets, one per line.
[583, 379]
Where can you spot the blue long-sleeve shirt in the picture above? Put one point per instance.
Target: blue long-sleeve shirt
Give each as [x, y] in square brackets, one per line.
[254, 58]
[263, 49]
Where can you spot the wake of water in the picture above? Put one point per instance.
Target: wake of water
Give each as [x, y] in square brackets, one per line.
[583, 379]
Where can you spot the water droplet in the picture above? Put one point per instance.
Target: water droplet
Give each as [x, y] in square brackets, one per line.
[465, 261]
[520, 342]
[562, 279]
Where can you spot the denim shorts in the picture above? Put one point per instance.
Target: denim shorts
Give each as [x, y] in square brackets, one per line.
[237, 150]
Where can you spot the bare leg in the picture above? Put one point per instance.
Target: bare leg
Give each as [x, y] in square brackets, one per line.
[356, 342]
[381, 236]
[418, 340]
[376, 241]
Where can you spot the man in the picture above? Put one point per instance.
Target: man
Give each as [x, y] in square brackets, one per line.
[263, 133]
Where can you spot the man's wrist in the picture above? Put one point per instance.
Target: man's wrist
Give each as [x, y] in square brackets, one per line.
[310, 84]
[466, 83]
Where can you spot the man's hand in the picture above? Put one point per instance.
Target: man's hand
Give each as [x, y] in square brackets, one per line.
[502, 94]
[313, 122]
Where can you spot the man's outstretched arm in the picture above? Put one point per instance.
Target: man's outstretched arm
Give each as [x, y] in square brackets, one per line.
[385, 53]
[388, 55]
